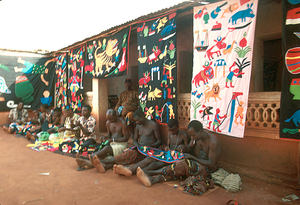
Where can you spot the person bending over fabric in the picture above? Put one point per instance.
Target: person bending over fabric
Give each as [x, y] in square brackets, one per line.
[18, 117]
[146, 134]
[68, 130]
[43, 120]
[128, 103]
[177, 140]
[86, 124]
[206, 151]
[118, 138]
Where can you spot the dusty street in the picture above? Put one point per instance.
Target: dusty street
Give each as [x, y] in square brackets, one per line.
[20, 181]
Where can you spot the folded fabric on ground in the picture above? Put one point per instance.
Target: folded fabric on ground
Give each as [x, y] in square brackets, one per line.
[170, 156]
[230, 182]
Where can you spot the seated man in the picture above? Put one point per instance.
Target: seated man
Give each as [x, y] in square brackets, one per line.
[86, 124]
[18, 117]
[177, 140]
[67, 130]
[118, 137]
[206, 151]
[146, 134]
[128, 103]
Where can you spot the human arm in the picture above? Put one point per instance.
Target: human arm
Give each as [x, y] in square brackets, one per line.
[212, 156]
[167, 148]
[157, 136]
[136, 136]
[190, 146]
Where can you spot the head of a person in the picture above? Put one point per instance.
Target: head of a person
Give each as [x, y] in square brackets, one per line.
[173, 126]
[128, 84]
[20, 106]
[111, 115]
[139, 117]
[68, 111]
[44, 107]
[86, 110]
[56, 113]
[195, 129]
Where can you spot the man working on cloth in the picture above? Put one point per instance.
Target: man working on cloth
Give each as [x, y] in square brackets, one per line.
[117, 142]
[146, 134]
[207, 150]
[177, 140]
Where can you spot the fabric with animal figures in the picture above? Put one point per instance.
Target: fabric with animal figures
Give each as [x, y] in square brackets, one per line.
[170, 156]
[107, 57]
[75, 78]
[157, 67]
[26, 77]
[290, 90]
[61, 82]
[223, 49]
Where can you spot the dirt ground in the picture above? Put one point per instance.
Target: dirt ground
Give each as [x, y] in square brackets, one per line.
[21, 183]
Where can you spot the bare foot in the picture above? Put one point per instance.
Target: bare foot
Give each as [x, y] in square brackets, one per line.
[99, 166]
[84, 163]
[114, 169]
[29, 136]
[144, 178]
[120, 169]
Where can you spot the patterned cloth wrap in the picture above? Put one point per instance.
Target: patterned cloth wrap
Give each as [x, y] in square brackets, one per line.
[129, 156]
[170, 156]
[198, 176]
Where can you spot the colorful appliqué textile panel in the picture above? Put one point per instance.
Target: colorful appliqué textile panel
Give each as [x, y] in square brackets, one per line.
[290, 91]
[75, 78]
[26, 77]
[223, 47]
[157, 67]
[61, 82]
[107, 57]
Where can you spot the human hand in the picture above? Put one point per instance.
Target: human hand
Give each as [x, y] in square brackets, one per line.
[167, 148]
[180, 148]
[187, 156]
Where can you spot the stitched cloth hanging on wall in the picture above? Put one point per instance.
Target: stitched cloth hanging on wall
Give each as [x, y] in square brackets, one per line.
[26, 77]
[223, 47]
[75, 78]
[290, 91]
[107, 57]
[157, 67]
[61, 83]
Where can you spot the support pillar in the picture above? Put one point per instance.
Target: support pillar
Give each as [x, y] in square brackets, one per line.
[100, 103]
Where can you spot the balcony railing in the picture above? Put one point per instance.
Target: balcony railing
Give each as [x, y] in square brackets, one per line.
[262, 113]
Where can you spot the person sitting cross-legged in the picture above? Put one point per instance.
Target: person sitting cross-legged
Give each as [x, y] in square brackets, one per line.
[177, 140]
[206, 152]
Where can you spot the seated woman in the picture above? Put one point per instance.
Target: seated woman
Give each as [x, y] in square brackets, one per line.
[18, 118]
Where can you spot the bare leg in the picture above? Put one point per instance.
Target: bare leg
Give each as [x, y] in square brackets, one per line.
[146, 179]
[108, 161]
[107, 150]
[83, 164]
[155, 165]
[154, 172]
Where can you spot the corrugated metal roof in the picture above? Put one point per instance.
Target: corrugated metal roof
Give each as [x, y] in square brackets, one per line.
[181, 6]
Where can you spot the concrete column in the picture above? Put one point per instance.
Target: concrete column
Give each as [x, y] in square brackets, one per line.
[100, 103]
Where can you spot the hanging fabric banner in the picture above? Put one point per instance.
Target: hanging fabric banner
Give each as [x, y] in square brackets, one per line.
[107, 57]
[290, 91]
[158, 68]
[61, 81]
[26, 77]
[223, 47]
[75, 78]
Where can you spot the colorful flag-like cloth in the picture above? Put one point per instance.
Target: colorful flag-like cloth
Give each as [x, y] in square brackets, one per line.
[75, 78]
[28, 78]
[223, 47]
[107, 57]
[290, 91]
[157, 67]
[61, 81]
